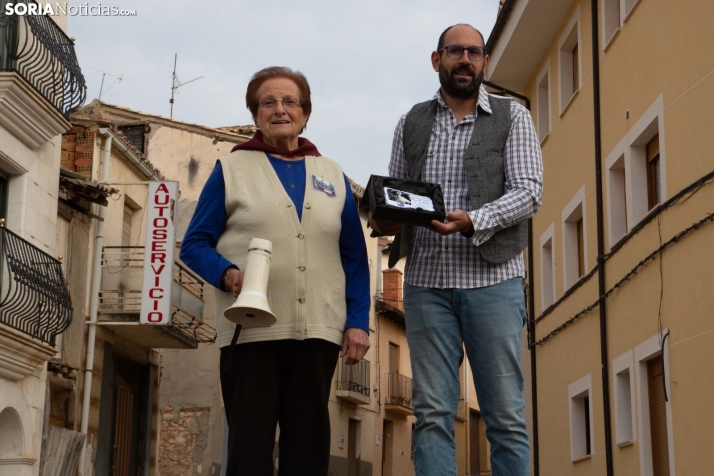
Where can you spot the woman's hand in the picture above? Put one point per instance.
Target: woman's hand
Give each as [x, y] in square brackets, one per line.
[355, 345]
[234, 281]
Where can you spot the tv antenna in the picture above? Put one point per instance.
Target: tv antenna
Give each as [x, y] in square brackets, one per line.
[104, 74]
[176, 83]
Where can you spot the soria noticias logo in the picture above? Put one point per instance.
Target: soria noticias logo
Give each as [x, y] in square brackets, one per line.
[84, 10]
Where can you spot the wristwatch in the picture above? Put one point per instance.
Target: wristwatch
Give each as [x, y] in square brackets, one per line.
[224, 278]
[469, 232]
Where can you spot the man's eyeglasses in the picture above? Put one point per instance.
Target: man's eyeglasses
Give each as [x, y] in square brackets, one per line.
[289, 102]
[455, 52]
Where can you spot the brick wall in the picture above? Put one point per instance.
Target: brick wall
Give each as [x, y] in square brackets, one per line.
[78, 150]
[392, 288]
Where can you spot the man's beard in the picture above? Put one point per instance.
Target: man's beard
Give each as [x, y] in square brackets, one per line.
[456, 90]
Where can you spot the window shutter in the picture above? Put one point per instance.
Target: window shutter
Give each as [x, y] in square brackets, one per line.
[581, 249]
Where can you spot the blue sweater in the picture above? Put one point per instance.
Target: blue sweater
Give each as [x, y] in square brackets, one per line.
[198, 248]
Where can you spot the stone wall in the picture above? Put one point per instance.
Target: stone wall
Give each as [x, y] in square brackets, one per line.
[184, 438]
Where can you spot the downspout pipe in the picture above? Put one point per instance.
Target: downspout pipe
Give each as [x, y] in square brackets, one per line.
[601, 241]
[531, 310]
[94, 304]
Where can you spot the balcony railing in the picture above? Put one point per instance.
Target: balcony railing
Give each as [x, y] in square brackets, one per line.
[120, 295]
[37, 49]
[33, 296]
[353, 379]
[399, 391]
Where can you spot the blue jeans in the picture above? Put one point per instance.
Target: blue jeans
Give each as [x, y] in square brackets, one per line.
[488, 321]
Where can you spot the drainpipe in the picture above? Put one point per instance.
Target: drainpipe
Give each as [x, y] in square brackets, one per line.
[140, 164]
[531, 309]
[601, 241]
[94, 302]
[378, 290]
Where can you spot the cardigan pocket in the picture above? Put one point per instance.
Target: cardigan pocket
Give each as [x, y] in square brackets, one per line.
[336, 309]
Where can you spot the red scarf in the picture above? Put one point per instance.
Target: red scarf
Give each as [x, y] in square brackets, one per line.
[305, 147]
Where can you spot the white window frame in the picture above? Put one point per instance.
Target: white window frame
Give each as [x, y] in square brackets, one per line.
[644, 352]
[623, 372]
[632, 146]
[626, 10]
[617, 220]
[566, 43]
[545, 269]
[544, 115]
[576, 392]
[610, 26]
[570, 215]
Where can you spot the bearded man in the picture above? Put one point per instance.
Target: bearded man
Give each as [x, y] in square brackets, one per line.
[464, 278]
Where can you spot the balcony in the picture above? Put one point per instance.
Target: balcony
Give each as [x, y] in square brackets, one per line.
[120, 302]
[353, 382]
[40, 78]
[35, 305]
[399, 394]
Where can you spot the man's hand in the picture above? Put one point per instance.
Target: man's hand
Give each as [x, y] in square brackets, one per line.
[457, 221]
[355, 345]
[385, 228]
[234, 281]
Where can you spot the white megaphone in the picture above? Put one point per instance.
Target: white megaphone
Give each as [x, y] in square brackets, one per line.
[251, 309]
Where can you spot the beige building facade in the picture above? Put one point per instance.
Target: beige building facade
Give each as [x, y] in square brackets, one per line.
[35, 304]
[622, 301]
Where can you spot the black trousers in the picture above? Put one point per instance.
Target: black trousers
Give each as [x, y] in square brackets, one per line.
[286, 382]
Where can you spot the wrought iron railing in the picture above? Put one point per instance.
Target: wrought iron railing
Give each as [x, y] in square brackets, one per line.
[399, 390]
[36, 48]
[122, 279]
[34, 298]
[355, 377]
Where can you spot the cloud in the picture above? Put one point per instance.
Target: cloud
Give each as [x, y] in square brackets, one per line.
[367, 62]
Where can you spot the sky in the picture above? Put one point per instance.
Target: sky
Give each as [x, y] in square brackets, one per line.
[367, 62]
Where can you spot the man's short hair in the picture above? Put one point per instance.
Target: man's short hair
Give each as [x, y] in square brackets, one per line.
[440, 45]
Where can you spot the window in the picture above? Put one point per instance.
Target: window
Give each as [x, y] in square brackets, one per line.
[617, 199]
[624, 384]
[611, 21]
[3, 195]
[652, 151]
[543, 96]
[581, 418]
[393, 358]
[547, 269]
[581, 248]
[637, 178]
[575, 239]
[569, 61]
[135, 134]
[654, 411]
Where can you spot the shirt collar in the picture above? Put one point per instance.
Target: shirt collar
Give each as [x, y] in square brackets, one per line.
[483, 101]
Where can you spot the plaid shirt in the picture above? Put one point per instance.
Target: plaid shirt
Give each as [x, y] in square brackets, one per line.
[453, 261]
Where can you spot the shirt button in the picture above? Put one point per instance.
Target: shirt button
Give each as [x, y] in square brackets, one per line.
[447, 181]
[448, 202]
[301, 236]
[301, 268]
[307, 205]
[290, 166]
[292, 185]
[446, 247]
[302, 300]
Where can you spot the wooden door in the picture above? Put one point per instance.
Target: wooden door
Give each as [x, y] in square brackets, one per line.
[123, 430]
[387, 447]
[352, 448]
[475, 445]
[658, 417]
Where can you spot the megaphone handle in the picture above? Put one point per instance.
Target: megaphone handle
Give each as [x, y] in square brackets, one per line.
[234, 341]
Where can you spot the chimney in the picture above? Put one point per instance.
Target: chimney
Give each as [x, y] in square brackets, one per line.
[392, 288]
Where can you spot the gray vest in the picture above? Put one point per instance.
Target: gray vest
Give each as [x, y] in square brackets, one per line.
[484, 168]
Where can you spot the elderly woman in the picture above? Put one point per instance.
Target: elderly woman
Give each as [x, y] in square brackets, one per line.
[278, 187]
